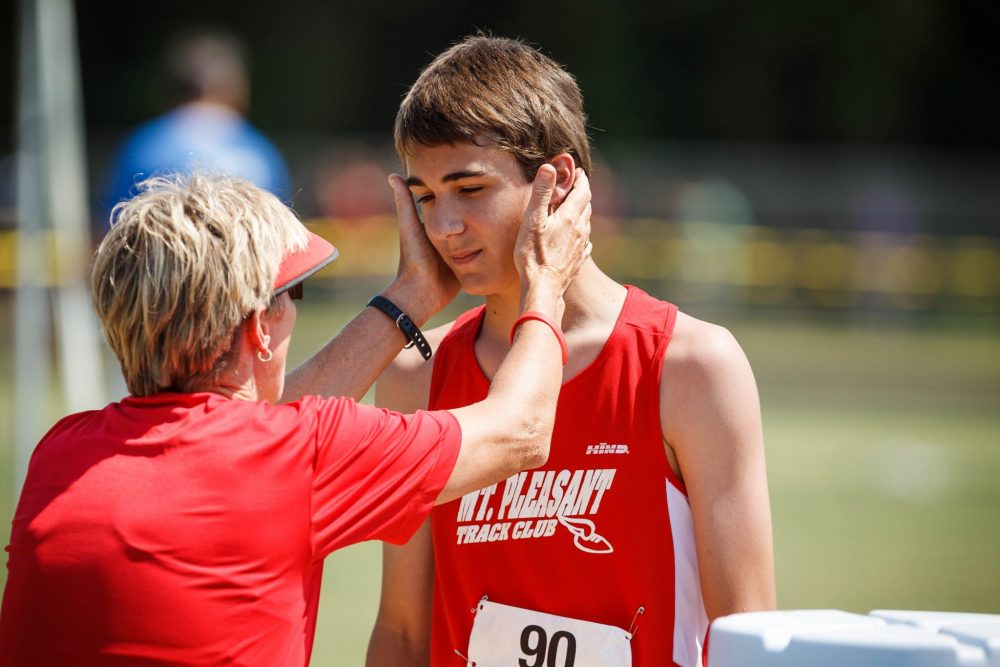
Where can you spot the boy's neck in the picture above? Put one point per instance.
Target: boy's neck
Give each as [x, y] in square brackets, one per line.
[592, 295]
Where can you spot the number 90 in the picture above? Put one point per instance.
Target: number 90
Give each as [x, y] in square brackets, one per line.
[535, 643]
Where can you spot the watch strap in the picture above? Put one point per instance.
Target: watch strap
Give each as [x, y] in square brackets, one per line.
[404, 323]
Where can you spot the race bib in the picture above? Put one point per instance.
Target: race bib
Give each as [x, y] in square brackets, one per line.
[504, 636]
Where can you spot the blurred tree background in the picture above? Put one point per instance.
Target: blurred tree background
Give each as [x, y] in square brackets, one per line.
[886, 77]
[889, 78]
[918, 72]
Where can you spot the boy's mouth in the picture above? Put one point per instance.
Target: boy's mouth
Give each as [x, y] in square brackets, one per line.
[465, 257]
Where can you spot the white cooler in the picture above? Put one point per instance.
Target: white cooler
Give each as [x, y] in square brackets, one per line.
[830, 638]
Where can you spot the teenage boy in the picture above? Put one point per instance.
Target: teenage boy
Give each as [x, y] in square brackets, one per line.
[651, 516]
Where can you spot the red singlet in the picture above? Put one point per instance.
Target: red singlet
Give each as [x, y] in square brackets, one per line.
[602, 529]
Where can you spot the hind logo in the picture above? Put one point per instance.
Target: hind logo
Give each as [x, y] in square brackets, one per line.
[585, 535]
[606, 448]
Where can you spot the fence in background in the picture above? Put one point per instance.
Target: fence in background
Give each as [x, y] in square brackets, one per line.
[726, 264]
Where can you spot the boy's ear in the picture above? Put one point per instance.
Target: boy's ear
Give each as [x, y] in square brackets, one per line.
[565, 176]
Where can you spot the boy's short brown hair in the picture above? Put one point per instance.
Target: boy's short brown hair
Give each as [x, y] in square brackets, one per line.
[500, 92]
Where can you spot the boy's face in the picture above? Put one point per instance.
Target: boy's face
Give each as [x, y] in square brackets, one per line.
[471, 201]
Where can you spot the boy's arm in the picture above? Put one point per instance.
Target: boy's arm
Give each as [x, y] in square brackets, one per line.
[401, 635]
[710, 412]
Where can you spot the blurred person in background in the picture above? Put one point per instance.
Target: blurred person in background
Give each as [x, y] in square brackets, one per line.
[188, 523]
[652, 513]
[207, 129]
[346, 184]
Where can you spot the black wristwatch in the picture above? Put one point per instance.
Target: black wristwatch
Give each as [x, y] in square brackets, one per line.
[405, 324]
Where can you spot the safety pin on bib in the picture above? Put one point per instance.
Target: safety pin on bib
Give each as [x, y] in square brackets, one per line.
[635, 622]
[474, 610]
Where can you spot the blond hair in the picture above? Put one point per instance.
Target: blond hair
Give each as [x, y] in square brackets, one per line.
[500, 92]
[183, 264]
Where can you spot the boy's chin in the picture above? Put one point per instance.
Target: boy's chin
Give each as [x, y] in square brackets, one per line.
[474, 287]
[480, 284]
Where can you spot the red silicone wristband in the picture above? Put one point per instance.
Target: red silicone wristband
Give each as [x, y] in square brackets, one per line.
[535, 315]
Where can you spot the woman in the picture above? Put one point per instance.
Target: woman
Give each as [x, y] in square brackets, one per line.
[188, 523]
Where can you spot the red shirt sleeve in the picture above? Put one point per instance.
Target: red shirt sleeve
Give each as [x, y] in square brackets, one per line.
[377, 472]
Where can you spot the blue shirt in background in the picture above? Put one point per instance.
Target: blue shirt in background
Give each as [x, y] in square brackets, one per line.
[203, 136]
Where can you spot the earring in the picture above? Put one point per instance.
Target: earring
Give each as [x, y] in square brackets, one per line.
[260, 355]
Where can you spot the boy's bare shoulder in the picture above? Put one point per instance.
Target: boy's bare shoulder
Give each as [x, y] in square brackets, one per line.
[700, 346]
[406, 383]
[709, 406]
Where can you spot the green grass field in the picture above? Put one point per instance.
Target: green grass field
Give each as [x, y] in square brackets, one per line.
[883, 447]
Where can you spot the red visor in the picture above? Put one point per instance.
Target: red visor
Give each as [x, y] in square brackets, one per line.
[300, 265]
